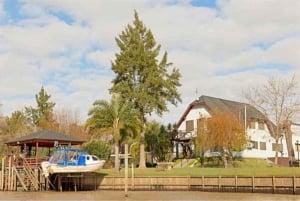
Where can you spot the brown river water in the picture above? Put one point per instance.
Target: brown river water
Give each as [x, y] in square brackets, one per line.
[144, 195]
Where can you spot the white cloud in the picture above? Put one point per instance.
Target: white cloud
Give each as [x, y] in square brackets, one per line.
[102, 58]
[286, 52]
[211, 47]
[259, 13]
[55, 38]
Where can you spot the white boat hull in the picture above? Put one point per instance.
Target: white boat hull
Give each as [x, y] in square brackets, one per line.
[84, 163]
[53, 168]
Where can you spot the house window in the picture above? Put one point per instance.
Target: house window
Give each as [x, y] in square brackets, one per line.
[261, 125]
[189, 125]
[263, 145]
[277, 147]
[254, 144]
[201, 125]
[252, 124]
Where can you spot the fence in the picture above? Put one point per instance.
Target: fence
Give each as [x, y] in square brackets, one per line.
[289, 185]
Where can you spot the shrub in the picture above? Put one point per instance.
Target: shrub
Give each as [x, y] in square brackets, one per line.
[98, 148]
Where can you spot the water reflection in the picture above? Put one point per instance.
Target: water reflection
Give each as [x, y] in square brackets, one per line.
[145, 195]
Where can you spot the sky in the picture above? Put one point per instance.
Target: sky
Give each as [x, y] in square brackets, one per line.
[221, 47]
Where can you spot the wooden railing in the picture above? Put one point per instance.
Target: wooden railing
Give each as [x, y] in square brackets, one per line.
[33, 161]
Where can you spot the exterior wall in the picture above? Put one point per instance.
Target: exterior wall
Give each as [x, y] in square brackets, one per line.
[193, 115]
[259, 136]
[264, 136]
[254, 134]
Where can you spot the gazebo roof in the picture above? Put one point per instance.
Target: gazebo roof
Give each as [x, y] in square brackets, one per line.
[44, 138]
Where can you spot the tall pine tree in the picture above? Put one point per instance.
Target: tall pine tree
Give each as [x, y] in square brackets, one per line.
[42, 116]
[141, 78]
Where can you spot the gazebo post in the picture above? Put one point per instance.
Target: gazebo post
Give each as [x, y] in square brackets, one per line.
[49, 151]
[25, 149]
[36, 148]
[7, 149]
[36, 151]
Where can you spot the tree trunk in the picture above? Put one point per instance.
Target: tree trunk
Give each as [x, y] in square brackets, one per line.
[142, 163]
[289, 142]
[276, 153]
[117, 160]
[202, 159]
[275, 136]
[224, 161]
[227, 158]
[230, 159]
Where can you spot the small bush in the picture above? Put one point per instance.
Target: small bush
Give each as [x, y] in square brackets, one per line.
[98, 148]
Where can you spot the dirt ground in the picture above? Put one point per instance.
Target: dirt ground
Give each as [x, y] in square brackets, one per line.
[144, 195]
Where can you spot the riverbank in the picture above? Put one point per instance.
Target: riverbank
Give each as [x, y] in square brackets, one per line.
[198, 171]
[238, 184]
[142, 195]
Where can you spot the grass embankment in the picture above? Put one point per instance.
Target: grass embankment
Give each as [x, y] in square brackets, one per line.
[197, 171]
[248, 167]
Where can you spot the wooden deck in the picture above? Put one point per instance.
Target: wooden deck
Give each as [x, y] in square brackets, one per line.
[24, 174]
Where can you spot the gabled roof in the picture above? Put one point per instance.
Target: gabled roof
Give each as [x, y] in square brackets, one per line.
[45, 138]
[213, 105]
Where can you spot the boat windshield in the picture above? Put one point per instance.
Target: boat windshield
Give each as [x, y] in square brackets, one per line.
[66, 155]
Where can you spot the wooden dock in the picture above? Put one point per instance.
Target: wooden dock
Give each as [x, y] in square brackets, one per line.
[24, 175]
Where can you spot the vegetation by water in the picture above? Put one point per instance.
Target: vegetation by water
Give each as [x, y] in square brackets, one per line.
[197, 171]
[245, 167]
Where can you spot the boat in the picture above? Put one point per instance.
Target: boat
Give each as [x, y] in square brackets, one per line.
[71, 160]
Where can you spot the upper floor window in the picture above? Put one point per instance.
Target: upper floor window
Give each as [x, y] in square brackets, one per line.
[189, 125]
[201, 124]
[252, 124]
[261, 125]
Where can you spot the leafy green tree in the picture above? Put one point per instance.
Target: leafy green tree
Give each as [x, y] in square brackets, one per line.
[18, 124]
[98, 148]
[141, 78]
[2, 122]
[42, 116]
[115, 117]
[157, 141]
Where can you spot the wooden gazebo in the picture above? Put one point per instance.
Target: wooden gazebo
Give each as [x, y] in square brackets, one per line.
[30, 144]
[22, 167]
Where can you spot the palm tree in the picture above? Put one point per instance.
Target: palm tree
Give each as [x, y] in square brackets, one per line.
[115, 117]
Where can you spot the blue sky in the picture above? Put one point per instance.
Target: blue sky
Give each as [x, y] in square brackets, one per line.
[221, 47]
[204, 3]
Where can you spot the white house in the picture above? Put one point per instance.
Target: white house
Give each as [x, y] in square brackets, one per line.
[260, 143]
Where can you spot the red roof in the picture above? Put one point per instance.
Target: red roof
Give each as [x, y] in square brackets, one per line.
[216, 104]
[45, 138]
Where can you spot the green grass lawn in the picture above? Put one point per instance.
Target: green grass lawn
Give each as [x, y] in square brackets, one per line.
[245, 167]
[196, 171]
